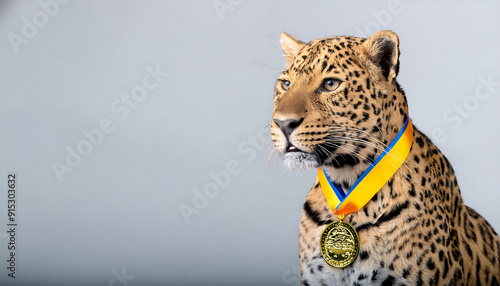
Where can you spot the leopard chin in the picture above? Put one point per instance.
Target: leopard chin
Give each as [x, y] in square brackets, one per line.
[300, 160]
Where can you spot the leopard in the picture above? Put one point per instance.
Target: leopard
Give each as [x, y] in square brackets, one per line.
[337, 105]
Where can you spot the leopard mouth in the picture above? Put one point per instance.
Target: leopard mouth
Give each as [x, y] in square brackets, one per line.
[292, 148]
[295, 158]
[300, 160]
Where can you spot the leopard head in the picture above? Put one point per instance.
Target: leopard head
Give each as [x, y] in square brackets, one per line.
[337, 104]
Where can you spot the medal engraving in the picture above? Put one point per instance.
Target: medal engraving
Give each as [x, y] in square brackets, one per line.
[339, 244]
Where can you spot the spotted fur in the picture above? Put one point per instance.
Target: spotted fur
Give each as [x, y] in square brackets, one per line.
[416, 230]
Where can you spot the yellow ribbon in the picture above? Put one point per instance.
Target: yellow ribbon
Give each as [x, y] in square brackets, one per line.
[372, 180]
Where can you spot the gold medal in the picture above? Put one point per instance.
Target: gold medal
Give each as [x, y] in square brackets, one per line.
[339, 244]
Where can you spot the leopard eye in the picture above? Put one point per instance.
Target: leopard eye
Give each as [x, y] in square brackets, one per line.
[285, 84]
[330, 84]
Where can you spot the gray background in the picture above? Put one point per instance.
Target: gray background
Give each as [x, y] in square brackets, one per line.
[118, 210]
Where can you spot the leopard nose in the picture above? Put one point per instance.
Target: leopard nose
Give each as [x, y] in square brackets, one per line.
[287, 126]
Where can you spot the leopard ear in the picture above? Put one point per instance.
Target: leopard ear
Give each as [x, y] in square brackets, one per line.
[291, 46]
[382, 52]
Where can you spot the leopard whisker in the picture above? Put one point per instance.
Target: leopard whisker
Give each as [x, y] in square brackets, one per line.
[367, 160]
[361, 131]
